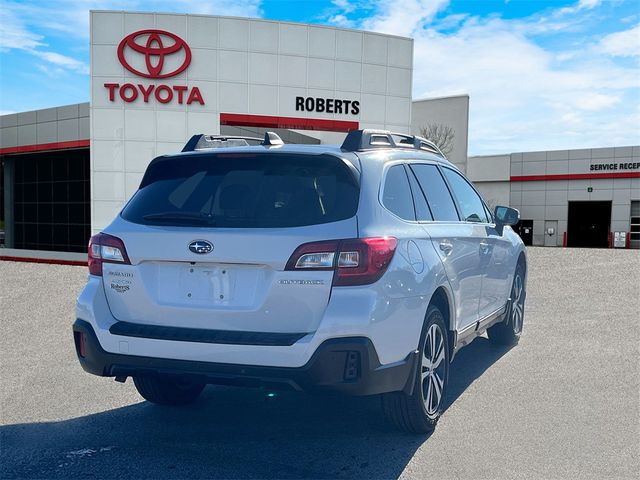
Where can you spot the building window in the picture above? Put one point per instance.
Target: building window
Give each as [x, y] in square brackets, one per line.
[1, 203]
[52, 202]
[635, 224]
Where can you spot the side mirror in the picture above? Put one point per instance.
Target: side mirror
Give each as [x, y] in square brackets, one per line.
[506, 215]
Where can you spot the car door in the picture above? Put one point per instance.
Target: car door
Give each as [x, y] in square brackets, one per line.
[492, 249]
[496, 282]
[456, 242]
[399, 196]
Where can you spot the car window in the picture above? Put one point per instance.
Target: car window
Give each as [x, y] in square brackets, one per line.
[419, 201]
[469, 202]
[436, 191]
[245, 190]
[396, 195]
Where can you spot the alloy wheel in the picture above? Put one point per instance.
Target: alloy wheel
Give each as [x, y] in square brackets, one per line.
[433, 370]
[517, 305]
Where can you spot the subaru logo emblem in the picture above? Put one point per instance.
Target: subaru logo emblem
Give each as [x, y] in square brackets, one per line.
[201, 246]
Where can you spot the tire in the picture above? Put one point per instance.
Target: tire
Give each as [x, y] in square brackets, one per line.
[420, 411]
[508, 331]
[164, 390]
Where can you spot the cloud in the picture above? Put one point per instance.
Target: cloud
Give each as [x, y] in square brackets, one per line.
[519, 91]
[402, 17]
[62, 61]
[344, 5]
[71, 17]
[622, 44]
[341, 20]
[13, 34]
[523, 94]
[32, 27]
[597, 101]
[237, 8]
[581, 5]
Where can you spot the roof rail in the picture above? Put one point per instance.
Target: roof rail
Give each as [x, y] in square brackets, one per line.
[206, 142]
[368, 139]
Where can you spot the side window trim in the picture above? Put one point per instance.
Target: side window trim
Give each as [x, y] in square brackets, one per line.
[488, 222]
[489, 213]
[411, 175]
[455, 201]
[383, 184]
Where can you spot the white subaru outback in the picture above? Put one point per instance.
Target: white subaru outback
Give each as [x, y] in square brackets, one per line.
[359, 269]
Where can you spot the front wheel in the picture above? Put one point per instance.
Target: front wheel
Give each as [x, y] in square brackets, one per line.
[420, 411]
[165, 390]
[508, 332]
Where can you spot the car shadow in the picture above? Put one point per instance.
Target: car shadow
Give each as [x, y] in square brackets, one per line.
[229, 433]
[470, 363]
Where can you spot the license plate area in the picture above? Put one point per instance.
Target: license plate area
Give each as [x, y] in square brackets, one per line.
[206, 285]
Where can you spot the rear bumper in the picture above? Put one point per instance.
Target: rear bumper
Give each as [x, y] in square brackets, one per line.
[347, 365]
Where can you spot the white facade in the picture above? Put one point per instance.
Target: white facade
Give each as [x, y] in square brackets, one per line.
[239, 67]
[490, 174]
[452, 112]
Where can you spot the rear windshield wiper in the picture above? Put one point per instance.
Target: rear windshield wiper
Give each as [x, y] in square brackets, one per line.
[180, 217]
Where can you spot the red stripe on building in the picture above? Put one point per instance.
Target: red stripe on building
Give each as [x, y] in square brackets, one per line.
[573, 176]
[41, 147]
[266, 121]
[53, 261]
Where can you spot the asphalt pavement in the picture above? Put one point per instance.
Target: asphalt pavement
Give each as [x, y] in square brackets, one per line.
[564, 403]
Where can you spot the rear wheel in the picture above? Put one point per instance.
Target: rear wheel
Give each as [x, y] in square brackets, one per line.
[420, 411]
[508, 332]
[165, 390]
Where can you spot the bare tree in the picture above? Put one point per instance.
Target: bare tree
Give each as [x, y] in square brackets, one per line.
[440, 134]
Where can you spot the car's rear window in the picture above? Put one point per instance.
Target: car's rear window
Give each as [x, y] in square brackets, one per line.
[245, 190]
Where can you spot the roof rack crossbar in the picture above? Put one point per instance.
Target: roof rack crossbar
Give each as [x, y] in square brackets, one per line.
[369, 139]
[204, 142]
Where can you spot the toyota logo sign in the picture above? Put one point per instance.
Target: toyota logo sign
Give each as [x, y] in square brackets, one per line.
[154, 54]
[154, 51]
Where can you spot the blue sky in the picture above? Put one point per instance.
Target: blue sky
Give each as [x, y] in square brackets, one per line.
[540, 74]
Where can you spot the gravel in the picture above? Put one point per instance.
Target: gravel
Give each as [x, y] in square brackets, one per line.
[564, 403]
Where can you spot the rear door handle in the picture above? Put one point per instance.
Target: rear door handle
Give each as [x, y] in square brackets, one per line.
[446, 247]
[484, 247]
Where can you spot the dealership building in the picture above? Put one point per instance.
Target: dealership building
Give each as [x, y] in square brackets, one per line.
[157, 79]
[571, 198]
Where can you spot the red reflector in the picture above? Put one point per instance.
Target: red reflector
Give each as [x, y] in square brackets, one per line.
[80, 344]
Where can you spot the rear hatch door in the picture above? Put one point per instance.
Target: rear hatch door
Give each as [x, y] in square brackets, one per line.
[209, 235]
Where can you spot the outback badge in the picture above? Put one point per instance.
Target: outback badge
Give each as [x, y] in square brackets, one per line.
[201, 246]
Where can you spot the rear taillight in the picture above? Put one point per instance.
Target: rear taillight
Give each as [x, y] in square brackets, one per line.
[364, 260]
[357, 261]
[106, 248]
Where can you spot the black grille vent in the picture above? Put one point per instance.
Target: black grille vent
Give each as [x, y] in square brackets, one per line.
[352, 365]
